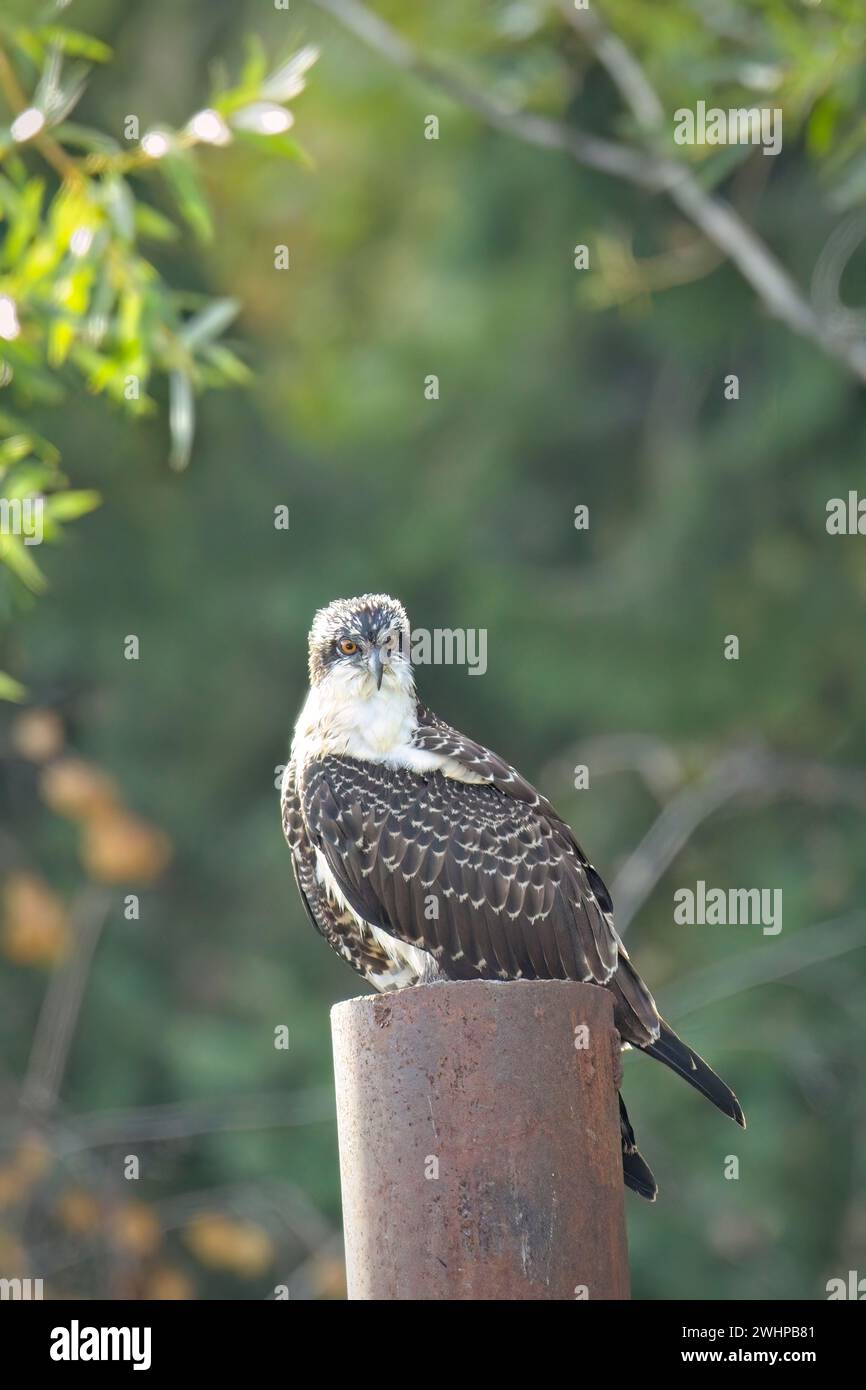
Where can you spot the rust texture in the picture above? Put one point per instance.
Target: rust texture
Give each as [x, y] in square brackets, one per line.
[480, 1142]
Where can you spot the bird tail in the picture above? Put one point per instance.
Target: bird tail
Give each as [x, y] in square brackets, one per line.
[677, 1055]
[635, 1170]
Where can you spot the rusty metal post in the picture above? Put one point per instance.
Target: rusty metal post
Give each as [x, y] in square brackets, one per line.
[479, 1137]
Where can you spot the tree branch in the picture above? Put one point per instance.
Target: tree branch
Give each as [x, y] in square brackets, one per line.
[16, 99]
[741, 773]
[715, 218]
[607, 156]
[61, 1006]
[763, 965]
[191, 1119]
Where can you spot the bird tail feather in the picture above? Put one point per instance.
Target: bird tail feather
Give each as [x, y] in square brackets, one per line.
[682, 1059]
[636, 1175]
[635, 1169]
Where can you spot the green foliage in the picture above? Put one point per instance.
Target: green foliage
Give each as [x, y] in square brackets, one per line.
[81, 301]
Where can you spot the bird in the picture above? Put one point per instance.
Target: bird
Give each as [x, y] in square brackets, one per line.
[420, 855]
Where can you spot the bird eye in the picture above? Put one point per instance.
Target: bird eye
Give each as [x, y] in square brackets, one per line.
[347, 646]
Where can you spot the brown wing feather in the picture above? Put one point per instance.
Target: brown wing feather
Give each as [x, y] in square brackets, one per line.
[487, 883]
[337, 925]
[590, 898]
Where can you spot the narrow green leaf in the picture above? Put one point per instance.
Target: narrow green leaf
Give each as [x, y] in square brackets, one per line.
[181, 174]
[73, 42]
[18, 559]
[181, 418]
[119, 203]
[282, 146]
[153, 224]
[256, 63]
[10, 689]
[24, 221]
[209, 323]
[84, 137]
[43, 448]
[68, 506]
[228, 364]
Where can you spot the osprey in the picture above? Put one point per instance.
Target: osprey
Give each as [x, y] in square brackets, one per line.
[420, 855]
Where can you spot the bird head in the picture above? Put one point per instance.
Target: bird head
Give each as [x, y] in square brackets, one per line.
[362, 644]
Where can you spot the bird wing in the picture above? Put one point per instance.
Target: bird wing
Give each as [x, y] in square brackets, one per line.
[636, 1015]
[483, 880]
[435, 736]
[336, 924]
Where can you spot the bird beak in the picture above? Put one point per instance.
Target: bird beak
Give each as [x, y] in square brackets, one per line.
[376, 666]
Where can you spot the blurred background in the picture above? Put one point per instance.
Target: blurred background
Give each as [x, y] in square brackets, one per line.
[152, 940]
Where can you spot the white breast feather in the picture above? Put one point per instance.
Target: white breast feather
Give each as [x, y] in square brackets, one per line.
[415, 963]
[346, 716]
